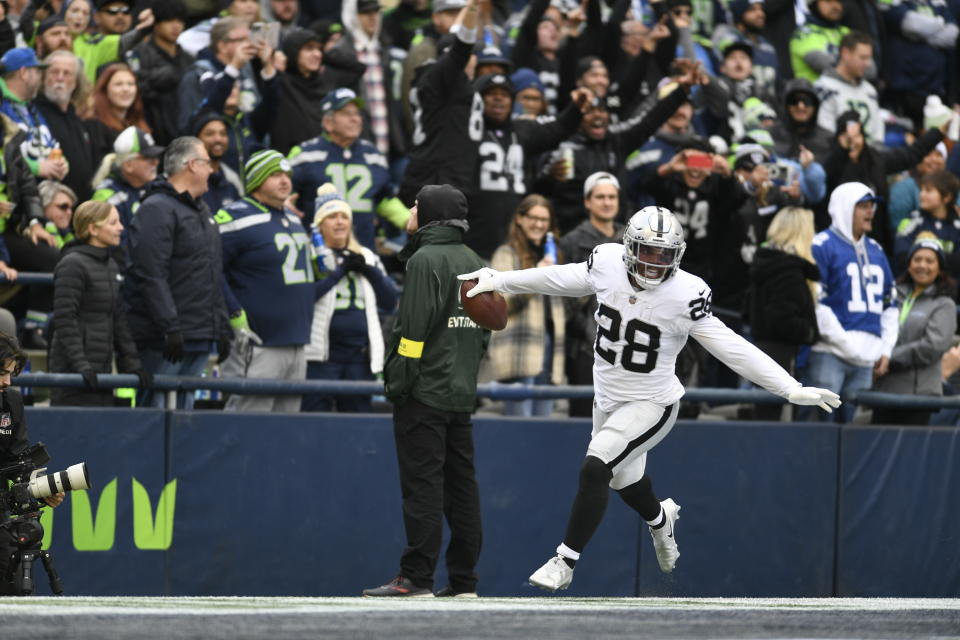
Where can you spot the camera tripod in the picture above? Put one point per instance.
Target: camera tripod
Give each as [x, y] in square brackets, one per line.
[27, 534]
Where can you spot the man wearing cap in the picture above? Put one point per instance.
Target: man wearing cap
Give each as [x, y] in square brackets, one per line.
[21, 82]
[160, 63]
[596, 148]
[814, 46]
[749, 20]
[448, 115]
[53, 35]
[132, 165]
[61, 87]
[737, 84]
[270, 288]
[856, 315]
[431, 378]
[601, 201]
[225, 185]
[703, 197]
[354, 165]
[174, 283]
[845, 87]
[503, 153]
[102, 47]
[113, 16]
[798, 128]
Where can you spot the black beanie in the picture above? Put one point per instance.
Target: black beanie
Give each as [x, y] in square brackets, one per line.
[165, 10]
[440, 202]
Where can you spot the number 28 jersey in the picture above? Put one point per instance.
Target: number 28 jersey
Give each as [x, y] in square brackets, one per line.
[640, 332]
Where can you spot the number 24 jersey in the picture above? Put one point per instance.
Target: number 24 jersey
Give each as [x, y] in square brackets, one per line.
[640, 332]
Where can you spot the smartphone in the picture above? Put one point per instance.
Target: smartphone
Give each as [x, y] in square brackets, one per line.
[699, 161]
[257, 30]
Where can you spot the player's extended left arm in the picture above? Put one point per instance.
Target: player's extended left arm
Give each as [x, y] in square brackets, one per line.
[753, 364]
[556, 280]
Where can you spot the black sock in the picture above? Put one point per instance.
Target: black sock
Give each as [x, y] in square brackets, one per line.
[589, 505]
[640, 497]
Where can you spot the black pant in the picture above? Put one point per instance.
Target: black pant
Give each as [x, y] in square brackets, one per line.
[905, 417]
[785, 355]
[580, 372]
[437, 478]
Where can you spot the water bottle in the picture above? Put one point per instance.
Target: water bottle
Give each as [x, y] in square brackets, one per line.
[319, 267]
[550, 247]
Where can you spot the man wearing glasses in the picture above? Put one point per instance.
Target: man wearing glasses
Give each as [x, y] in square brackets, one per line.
[114, 16]
[174, 283]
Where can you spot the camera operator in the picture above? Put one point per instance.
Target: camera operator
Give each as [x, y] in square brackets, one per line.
[13, 425]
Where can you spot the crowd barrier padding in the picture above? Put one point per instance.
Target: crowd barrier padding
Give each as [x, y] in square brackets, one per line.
[899, 516]
[270, 504]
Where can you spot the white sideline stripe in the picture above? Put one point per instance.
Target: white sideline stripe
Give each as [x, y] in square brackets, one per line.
[227, 606]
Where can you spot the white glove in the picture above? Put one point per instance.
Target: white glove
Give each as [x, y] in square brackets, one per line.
[487, 280]
[823, 398]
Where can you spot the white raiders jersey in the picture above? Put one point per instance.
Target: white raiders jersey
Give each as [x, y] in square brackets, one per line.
[640, 332]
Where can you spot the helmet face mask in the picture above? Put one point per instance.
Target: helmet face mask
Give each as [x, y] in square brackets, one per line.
[653, 246]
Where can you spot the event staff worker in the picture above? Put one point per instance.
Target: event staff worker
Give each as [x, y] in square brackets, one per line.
[270, 287]
[431, 378]
[354, 166]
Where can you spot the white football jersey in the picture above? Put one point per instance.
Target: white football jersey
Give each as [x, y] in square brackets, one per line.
[640, 332]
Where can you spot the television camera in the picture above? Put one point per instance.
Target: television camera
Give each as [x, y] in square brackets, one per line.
[22, 534]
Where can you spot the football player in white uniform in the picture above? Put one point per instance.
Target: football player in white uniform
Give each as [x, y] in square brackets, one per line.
[647, 307]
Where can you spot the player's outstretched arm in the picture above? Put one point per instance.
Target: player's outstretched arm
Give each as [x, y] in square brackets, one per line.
[555, 280]
[823, 398]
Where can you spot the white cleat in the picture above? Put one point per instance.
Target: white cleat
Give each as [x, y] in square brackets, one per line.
[664, 541]
[553, 575]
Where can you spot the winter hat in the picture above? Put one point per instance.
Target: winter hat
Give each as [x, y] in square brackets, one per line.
[491, 54]
[441, 204]
[329, 202]
[525, 78]
[846, 118]
[755, 111]
[749, 155]
[261, 166]
[928, 242]
[740, 7]
[166, 10]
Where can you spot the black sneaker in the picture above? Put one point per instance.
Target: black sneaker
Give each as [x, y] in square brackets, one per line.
[399, 587]
[449, 592]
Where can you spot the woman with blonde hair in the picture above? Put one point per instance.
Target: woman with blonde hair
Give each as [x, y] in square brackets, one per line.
[346, 341]
[90, 328]
[783, 293]
[530, 350]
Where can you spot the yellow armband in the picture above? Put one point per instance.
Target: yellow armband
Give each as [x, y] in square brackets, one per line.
[410, 348]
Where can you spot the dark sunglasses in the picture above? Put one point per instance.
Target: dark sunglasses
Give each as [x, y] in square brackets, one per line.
[804, 100]
[115, 11]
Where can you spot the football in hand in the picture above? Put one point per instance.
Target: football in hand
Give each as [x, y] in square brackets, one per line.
[488, 309]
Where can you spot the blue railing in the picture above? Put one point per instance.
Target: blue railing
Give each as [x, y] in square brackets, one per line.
[273, 387]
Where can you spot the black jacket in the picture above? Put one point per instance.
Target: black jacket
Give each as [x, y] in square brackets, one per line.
[90, 327]
[175, 278]
[21, 185]
[608, 154]
[70, 132]
[14, 436]
[780, 307]
[158, 76]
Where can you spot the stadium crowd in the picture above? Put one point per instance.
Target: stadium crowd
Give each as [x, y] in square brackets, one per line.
[262, 157]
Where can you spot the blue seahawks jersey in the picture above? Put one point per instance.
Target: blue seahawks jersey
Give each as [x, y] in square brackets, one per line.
[857, 293]
[120, 194]
[360, 173]
[266, 265]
